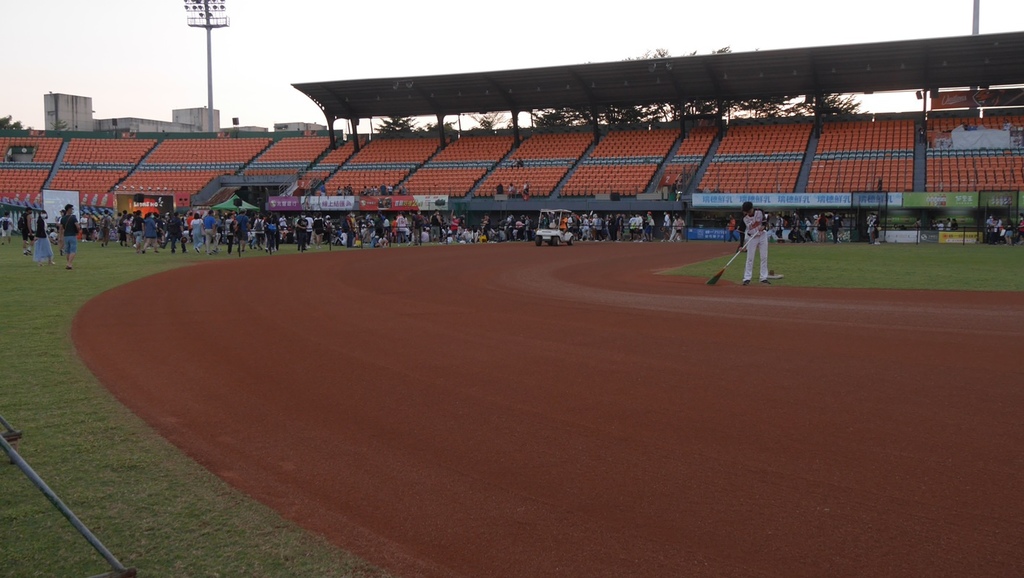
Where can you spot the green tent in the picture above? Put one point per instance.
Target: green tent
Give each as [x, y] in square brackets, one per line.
[229, 205]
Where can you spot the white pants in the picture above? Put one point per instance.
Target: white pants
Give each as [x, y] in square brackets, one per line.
[759, 243]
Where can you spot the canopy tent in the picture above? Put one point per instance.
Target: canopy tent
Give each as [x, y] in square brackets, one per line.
[229, 205]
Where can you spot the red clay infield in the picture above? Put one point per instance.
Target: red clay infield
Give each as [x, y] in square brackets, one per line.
[562, 411]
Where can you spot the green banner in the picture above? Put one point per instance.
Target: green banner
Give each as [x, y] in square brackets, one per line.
[1008, 200]
[939, 200]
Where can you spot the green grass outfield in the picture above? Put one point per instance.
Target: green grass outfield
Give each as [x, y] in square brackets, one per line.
[886, 266]
[153, 507]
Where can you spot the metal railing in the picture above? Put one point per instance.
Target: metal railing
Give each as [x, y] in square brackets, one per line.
[9, 438]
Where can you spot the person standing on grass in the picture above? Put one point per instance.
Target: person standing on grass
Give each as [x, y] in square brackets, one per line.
[174, 232]
[6, 226]
[822, 228]
[43, 252]
[69, 227]
[210, 233]
[105, 224]
[241, 230]
[198, 231]
[149, 233]
[300, 233]
[837, 227]
[25, 226]
[757, 240]
[271, 224]
[138, 235]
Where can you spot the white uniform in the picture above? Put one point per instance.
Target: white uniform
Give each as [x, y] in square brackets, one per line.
[755, 229]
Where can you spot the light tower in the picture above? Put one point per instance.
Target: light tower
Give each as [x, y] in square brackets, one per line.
[208, 14]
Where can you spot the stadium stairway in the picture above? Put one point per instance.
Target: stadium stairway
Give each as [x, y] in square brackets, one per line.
[136, 167]
[501, 162]
[692, 187]
[655, 183]
[56, 164]
[206, 193]
[557, 191]
[805, 167]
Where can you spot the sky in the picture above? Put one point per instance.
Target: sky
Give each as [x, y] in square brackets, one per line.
[140, 59]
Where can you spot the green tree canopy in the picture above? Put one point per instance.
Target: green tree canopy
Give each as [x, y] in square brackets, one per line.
[397, 124]
[449, 128]
[8, 123]
[492, 120]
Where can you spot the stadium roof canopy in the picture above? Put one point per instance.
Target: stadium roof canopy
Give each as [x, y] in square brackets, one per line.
[982, 60]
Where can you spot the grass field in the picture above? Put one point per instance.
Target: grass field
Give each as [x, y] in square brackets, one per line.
[162, 513]
[154, 508]
[889, 266]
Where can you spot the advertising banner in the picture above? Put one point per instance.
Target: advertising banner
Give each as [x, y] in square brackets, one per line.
[901, 236]
[705, 234]
[1000, 200]
[97, 200]
[806, 200]
[940, 200]
[392, 203]
[893, 200]
[55, 201]
[432, 202]
[329, 203]
[959, 237]
[150, 204]
[978, 98]
[277, 204]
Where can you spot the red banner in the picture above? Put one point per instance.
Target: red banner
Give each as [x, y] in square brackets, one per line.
[392, 203]
[978, 98]
[150, 203]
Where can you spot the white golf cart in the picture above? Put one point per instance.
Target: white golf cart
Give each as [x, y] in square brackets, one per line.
[549, 228]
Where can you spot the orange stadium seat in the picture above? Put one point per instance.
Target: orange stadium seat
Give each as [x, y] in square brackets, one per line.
[396, 150]
[20, 181]
[358, 180]
[46, 149]
[758, 159]
[303, 148]
[454, 182]
[856, 155]
[476, 148]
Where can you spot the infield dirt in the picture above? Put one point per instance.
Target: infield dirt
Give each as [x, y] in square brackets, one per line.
[564, 411]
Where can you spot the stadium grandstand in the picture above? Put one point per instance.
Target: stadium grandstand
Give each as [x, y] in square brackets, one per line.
[673, 165]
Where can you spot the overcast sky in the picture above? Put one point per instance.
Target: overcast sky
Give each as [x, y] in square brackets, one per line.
[140, 59]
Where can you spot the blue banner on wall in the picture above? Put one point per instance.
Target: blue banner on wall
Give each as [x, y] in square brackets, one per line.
[705, 234]
[796, 200]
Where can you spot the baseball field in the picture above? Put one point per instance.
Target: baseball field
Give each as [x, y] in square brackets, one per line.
[511, 410]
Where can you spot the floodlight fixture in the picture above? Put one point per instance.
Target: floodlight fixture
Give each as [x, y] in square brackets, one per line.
[208, 14]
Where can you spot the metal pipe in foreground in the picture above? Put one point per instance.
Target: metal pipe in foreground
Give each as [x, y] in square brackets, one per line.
[118, 569]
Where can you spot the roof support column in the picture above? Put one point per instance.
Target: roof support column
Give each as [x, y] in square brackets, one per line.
[330, 131]
[440, 128]
[355, 132]
[515, 127]
[683, 113]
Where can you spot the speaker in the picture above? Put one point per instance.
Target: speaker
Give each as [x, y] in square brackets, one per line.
[114, 120]
[238, 202]
[615, 197]
[139, 198]
[234, 120]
